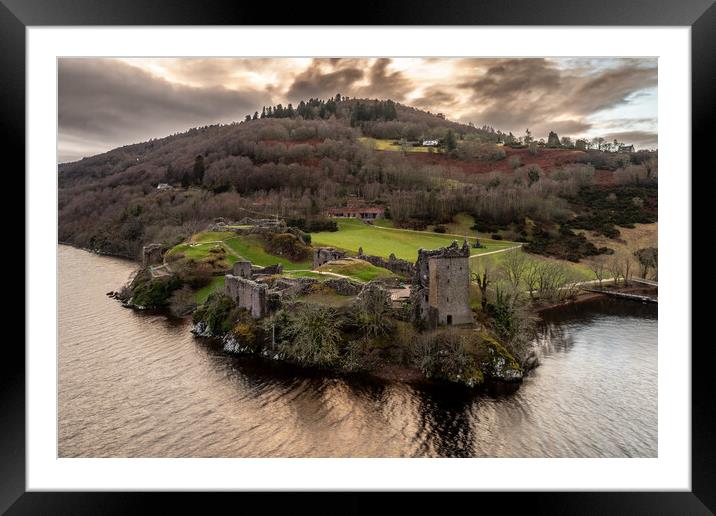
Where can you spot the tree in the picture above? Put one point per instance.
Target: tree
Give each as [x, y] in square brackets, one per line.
[483, 277]
[450, 141]
[598, 267]
[185, 180]
[528, 136]
[553, 140]
[372, 311]
[647, 259]
[198, 171]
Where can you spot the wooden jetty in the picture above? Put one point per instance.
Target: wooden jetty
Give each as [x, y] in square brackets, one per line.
[623, 295]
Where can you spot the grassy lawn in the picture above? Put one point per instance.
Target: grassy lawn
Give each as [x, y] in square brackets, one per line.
[356, 269]
[251, 248]
[381, 241]
[307, 274]
[217, 284]
[202, 253]
[326, 299]
[389, 145]
[211, 236]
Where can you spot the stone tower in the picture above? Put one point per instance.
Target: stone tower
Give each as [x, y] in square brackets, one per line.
[441, 286]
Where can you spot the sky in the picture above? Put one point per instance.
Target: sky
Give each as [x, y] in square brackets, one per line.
[108, 102]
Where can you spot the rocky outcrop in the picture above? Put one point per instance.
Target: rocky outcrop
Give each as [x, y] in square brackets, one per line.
[343, 286]
[499, 364]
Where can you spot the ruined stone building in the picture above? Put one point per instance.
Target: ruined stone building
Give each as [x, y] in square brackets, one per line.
[247, 294]
[242, 269]
[441, 286]
[323, 255]
[152, 255]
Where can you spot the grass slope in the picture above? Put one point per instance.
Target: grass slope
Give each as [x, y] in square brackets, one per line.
[356, 269]
[381, 241]
[216, 285]
[251, 248]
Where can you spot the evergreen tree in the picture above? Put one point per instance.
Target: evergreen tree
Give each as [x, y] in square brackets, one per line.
[198, 171]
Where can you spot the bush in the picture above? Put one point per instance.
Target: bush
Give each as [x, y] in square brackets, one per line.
[288, 245]
[440, 229]
[496, 236]
[219, 313]
[151, 292]
[442, 355]
[310, 335]
[313, 225]
[182, 301]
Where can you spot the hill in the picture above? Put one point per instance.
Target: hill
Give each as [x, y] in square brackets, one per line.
[296, 162]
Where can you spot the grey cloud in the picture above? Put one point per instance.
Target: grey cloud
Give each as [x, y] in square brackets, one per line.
[513, 94]
[116, 103]
[641, 139]
[315, 81]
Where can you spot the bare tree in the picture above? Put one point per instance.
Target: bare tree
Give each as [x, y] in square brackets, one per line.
[615, 266]
[483, 279]
[598, 266]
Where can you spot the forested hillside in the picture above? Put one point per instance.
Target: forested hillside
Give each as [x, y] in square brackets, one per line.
[296, 161]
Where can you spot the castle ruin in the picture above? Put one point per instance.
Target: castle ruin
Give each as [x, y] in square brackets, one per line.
[441, 286]
[323, 255]
[247, 294]
[152, 255]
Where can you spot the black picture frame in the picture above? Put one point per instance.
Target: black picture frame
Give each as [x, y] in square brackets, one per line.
[17, 15]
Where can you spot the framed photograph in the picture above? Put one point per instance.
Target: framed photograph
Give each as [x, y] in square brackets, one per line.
[419, 252]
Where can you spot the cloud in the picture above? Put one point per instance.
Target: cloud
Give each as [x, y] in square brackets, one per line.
[542, 94]
[324, 78]
[103, 100]
[105, 103]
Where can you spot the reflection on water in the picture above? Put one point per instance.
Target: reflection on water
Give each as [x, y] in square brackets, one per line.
[140, 385]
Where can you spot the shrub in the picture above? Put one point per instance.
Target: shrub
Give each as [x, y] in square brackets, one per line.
[182, 301]
[440, 229]
[288, 245]
[151, 292]
[496, 236]
[219, 313]
[312, 336]
[442, 355]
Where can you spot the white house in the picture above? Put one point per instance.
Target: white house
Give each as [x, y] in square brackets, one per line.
[430, 143]
[164, 186]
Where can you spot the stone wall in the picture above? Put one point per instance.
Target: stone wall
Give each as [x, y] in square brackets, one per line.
[323, 255]
[276, 268]
[152, 255]
[242, 269]
[343, 286]
[247, 294]
[393, 264]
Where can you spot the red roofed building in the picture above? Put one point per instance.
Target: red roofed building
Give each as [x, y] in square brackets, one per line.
[363, 213]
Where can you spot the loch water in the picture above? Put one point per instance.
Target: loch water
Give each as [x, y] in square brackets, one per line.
[134, 384]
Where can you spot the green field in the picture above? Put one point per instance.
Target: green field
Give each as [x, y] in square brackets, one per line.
[356, 269]
[390, 145]
[381, 241]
